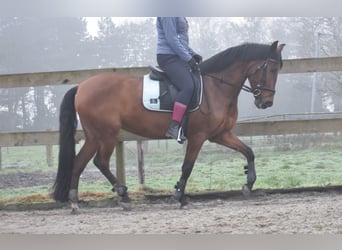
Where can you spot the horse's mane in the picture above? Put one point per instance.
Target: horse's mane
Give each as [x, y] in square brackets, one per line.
[241, 53]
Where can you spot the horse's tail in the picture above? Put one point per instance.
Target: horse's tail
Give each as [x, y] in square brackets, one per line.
[66, 156]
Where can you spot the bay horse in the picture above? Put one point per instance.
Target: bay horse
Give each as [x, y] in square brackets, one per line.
[108, 102]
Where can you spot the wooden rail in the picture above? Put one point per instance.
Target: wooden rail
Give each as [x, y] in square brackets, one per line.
[303, 65]
[256, 128]
[309, 65]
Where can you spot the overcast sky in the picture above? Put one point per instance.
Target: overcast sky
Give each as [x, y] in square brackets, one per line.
[92, 22]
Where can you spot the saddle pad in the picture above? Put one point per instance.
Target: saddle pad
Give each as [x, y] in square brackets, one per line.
[157, 97]
[151, 94]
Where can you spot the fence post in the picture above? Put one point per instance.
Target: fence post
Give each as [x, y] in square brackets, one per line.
[141, 171]
[120, 163]
[49, 157]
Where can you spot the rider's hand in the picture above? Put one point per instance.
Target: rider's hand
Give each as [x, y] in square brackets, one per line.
[193, 65]
[198, 58]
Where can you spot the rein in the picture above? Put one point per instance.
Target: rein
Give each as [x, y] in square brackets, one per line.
[243, 86]
[258, 90]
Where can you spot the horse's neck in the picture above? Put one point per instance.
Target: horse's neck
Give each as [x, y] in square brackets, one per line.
[236, 74]
[224, 87]
[229, 82]
[219, 95]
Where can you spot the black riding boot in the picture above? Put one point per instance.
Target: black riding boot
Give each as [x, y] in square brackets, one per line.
[175, 131]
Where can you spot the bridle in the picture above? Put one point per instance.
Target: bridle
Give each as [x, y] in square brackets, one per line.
[261, 84]
[257, 91]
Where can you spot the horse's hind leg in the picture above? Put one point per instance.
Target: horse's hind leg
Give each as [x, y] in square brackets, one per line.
[101, 161]
[87, 151]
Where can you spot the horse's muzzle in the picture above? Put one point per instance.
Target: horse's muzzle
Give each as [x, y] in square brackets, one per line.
[267, 105]
[260, 104]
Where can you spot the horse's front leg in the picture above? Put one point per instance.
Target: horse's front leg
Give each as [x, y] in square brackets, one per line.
[192, 150]
[181, 184]
[230, 140]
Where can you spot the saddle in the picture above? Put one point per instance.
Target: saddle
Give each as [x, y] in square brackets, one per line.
[159, 93]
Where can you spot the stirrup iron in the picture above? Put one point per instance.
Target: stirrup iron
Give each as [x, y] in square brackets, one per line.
[180, 137]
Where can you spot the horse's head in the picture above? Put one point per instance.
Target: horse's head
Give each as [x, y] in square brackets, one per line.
[263, 77]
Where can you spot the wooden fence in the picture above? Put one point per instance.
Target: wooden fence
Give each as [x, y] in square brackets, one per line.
[49, 138]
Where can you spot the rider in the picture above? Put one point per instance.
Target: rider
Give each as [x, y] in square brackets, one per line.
[178, 60]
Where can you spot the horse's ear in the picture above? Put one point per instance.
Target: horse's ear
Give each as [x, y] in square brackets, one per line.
[280, 47]
[274, 47]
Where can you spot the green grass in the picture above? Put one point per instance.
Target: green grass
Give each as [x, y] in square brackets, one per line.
[6, 194]
[216, 168]
[25, 159]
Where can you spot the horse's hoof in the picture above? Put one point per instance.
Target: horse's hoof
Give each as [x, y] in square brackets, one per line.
[184, 207]
[126, 206]
[184, 204]
[74, 208]
[246, 191]
[125, 203]
[75, 211]
[125, 199]
[178, 195]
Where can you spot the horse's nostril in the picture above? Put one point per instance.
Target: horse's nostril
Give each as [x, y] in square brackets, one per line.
[267, 104]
